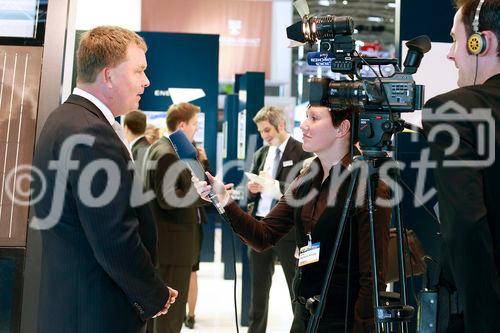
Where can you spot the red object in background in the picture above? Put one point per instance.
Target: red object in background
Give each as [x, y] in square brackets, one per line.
[371, 47]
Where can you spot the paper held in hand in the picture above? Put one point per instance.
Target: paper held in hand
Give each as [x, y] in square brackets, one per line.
[271, 186]
[266, 182]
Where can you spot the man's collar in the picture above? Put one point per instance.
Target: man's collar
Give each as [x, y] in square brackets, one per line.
[100, 105]
[282, 146]
[494, 77]
[133, 142]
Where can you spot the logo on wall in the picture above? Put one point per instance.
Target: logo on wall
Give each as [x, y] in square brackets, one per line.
[162, 93]
[234, 27]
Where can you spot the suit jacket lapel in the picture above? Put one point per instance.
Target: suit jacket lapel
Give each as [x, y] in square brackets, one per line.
[263, 157]
[91, 107]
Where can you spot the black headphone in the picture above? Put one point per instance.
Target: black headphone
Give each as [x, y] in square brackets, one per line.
[476, 44]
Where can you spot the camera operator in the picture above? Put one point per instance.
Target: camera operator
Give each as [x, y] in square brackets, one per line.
[469, 196]
[326, 132]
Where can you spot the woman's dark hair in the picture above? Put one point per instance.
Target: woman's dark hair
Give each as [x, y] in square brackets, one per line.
[340, 114]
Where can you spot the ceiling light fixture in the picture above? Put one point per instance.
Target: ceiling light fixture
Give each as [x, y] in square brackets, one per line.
[376, 19]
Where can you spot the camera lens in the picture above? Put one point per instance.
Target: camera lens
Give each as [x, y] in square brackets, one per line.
[346, 93]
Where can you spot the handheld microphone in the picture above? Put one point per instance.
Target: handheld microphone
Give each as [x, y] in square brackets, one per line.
[188, 154]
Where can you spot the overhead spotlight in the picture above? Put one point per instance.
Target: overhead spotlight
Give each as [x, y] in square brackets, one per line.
[325, 3]
[375, 19]
[345, 2]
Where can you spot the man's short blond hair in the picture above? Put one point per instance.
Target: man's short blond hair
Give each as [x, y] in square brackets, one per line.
[272, 114]
[103, 46]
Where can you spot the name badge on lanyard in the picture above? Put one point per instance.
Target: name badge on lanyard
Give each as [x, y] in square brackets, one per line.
[310, 253]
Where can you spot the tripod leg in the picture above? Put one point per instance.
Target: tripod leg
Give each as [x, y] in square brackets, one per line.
[373, 251]
[401, 253]
[314, 321]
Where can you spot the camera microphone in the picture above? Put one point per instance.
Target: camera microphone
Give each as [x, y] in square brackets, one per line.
[188, 154]
[314, 28]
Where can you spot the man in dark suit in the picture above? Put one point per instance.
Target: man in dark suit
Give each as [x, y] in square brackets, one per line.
[175, 211]
[99, 252]
[279, 162]
[134, 126]
[467, 183]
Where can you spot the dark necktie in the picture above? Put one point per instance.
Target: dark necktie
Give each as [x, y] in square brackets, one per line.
[276, 162]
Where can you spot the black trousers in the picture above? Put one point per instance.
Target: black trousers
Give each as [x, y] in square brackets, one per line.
[261, 271]
[469, 264]
[329, 323]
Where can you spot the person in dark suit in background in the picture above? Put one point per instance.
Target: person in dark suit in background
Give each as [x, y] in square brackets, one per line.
[134, 126]
[175, 211]
[468, 195]
[98, 252]
[280, 160]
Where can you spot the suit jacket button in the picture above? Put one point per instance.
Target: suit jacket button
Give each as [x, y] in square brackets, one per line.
[138, 307]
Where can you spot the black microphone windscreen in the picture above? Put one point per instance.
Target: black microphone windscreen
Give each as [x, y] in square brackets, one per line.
[294, 32]
[183, 146]
[187, 152]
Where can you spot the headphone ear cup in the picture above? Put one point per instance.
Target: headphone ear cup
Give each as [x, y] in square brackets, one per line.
[476, 44]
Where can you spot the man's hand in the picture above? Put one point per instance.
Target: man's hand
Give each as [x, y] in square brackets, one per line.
[202, 155]
[254, 188]
[265, 174]
[171, 300]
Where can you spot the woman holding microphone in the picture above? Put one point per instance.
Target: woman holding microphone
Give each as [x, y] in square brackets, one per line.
[314, 203]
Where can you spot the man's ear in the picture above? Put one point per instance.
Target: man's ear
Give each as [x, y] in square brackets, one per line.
[181, 125]
[105, 76]
[491, 43]
[281, 127]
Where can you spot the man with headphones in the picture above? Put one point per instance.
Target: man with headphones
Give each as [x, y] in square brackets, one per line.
[469, 195]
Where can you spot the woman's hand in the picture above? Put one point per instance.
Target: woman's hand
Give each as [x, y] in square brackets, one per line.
[223, 191]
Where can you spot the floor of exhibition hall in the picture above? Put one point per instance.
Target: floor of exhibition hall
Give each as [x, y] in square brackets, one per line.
[215, 307]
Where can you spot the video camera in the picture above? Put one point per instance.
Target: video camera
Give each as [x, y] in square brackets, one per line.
[380, 98]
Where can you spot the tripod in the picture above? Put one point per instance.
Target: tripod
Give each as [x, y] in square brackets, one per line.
[384, 315]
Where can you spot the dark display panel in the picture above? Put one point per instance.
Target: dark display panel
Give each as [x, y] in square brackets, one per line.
[11, 282]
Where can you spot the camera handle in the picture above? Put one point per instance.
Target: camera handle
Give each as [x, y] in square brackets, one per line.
[384, 315]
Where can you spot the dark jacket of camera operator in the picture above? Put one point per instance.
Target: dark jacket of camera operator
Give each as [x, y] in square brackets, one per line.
[468, 193]
[321, 220]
